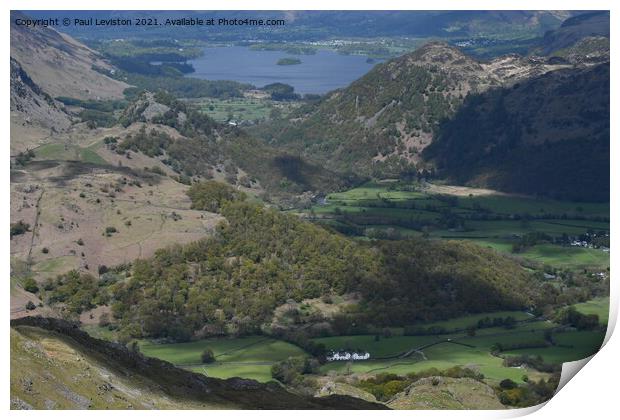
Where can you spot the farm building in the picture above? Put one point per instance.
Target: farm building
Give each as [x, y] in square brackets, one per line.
[347, 356]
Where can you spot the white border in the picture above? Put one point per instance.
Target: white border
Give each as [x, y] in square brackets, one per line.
[591, 395]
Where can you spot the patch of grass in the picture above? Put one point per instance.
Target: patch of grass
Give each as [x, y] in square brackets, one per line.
[64, 152]
[261, 373]
[573, 345]
[90, 156]
[568, 257]
[247, 357]
[598, 306]
[54, 265]
[52, 151]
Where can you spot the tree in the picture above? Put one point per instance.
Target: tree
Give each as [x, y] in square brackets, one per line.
[211, 195]
[508, 384]
[207, 356]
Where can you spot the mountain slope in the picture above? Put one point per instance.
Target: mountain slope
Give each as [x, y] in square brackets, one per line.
[34, 113]
[574, 29]
[548, 135]
[223, 148]
[60, 65]
[54, 365]
[381, 122]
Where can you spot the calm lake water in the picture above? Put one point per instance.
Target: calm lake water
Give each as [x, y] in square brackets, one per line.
[319, 73]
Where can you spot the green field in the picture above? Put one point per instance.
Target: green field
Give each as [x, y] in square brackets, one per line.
[573, 345]
[567, 257]
[63, 152]
[598, 306]
[495, 221]
[440, 356]
[252, 357]
[247, 357]
[445, 354]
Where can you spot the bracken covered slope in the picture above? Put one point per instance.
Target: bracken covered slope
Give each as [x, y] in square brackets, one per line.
[381, 123]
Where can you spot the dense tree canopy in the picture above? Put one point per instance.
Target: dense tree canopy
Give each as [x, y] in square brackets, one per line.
[211, 195]
[260, 258]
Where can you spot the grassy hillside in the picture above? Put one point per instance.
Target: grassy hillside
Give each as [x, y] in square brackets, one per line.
[52, 371]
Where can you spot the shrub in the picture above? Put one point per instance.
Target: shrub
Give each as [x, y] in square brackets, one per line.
[207, 356]
[30, 285]
[19, 228]
[508, 384]
[30, 306]
[570, 316]
[290, 370]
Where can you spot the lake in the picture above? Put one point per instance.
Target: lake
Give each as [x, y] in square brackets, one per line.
[319, 73]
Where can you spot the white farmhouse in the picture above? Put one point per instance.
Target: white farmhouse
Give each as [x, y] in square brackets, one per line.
[347, 356]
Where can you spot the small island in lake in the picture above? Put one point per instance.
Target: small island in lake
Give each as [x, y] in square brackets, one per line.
[288, 61]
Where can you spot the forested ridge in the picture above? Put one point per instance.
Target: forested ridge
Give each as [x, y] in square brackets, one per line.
[259, 259]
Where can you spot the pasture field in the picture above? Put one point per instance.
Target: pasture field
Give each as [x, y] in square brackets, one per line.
[441, 356]
[485, 217]
[572, 345]
[247, 357]
[598, 306]
[252, 357]
[466, 351]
